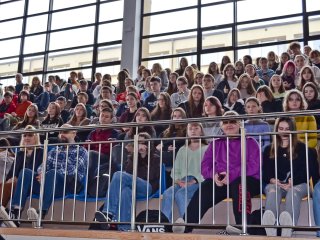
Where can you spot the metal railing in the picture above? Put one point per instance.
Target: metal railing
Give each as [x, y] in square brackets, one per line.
[82, 196]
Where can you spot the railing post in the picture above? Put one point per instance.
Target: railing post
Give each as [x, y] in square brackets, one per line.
[134, 181]
[43, 174]
[243, 179]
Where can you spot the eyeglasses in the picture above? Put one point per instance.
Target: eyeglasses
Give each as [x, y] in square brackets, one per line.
[229, 122]
[28, 135]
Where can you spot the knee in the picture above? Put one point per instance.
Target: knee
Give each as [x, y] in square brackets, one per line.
[180, 194]
[271, 188]
[316, 191]
[25, 173]
[168, 193]
[50, 173]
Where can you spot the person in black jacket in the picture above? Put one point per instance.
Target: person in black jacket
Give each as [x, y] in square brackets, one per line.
[194, 106]
[285, 173]
[27, 161]
[311, 94]
[148, 169]
[234, 102]
[269, 104]
[53, 119]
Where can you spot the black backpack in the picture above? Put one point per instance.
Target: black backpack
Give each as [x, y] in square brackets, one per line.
[153, 217]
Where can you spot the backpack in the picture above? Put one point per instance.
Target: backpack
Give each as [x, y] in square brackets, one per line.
[153, 217]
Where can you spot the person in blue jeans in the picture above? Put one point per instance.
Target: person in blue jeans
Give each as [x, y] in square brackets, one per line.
[186, 172]
[121, 185]
[75, 168]
[316, 203]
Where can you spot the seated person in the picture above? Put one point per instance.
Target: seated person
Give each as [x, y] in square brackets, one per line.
[100, 149]
[186, 174]
[83, 87]
[105, 103]
[82, 97]
[194, 106]
[28, 159]
[281, 183]
[110, 211]
[65, 114]
[182, 94]
[234, 102]
[53, 174]
[6, 107]
[53, 120]
[79, 118]
[219, 175]
[21, 108]
[45, 97]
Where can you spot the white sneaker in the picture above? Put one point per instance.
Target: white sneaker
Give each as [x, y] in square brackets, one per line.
[285, 219]
[5, 216]
[180, 228]
[33, 215]
[233, 230]
[269, 219]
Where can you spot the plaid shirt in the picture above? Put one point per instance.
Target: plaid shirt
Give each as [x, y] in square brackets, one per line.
[72, 161]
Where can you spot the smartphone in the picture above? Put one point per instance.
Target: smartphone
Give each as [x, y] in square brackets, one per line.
[221, 176]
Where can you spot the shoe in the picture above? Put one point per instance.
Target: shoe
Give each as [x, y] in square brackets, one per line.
[223, 232]
[33, 215]
[269, 219]
[5, 216]
[285, 219]
[233, 230]
[105, 218]
[179, 228]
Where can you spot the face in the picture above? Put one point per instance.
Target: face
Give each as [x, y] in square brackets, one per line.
[207, 83]
[161, 101]
[82, 99]
[29, 139]
[189, 71]
[264, 64]
[246, 60]
[47, 87]
[284, 58]
[105, 118]
[182, 87]
[31, 112]
[23, 97]
[230, 72]
[299, 61]
[172, 78]
[309, 93]
[261, 97]
[79, 111]
[239, 66]
[294, 102]
[213, 67]
[283, 127]
[199, 79]
[271, 57]
[35, 81]
[131, 101]
[230, 127]
[141, 117]
[183, 63]
[142, 146]
[155, 86]
[290, 70]
[67, 136]
[209, 108]
[62, 104]
[276, 82]
[7, 99]
[194, 130]
[103, 105]
[98, 77]
[196, 95]
[105, 94]
[250, 70]
[145, 74]
[252, 107]
[52, 109]
[307, 50]
[233, 97]
[176, 115]
[83, 87]
[73, 76]
[127, 82]
[244, 83]
[306, 74]
[18, 78]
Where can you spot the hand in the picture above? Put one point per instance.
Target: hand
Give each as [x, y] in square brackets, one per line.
[217, 181]
[193, 181]
[13, 114]
[286, 186]
[182, 184]
[158, 147]
[256, 79]
[275, 181]
[11, 180]
[129, 148]
[39, 177]
[225, 90]
[170, 148]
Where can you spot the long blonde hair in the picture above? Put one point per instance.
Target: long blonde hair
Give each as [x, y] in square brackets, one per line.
[36, 135]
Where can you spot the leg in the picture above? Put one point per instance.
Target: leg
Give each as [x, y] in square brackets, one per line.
[50, 180]
[24, 183]
[271, 201]
[181, 200]
[166, 206]
[235, 193]
[299, 192]
[316, 204]
[7, 189]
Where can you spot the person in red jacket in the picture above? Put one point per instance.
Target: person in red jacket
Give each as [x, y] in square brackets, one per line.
[98, 135]
[7, 106]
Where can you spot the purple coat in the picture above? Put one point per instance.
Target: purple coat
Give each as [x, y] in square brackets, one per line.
[253, 164]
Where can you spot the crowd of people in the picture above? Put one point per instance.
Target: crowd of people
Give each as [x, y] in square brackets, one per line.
[284, 83]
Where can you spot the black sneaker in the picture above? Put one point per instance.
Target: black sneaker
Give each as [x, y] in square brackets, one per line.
[105, 218]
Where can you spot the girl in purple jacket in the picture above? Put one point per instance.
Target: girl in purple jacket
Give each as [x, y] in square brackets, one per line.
[223, 172]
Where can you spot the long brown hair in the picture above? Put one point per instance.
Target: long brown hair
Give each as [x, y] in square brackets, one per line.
[58, 111]
[148, 129]
[162, 114]
[192, 105]
[180, 129]
[26, 121]
[73, 119]
[281, 89]
[303, 105]
[302, 81]
[216, 102]
[250, 89]
[276, 143]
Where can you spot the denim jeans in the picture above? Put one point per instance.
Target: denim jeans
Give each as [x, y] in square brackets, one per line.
[113, 204]
[48, 188]
[180, 194]
[316, 204]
